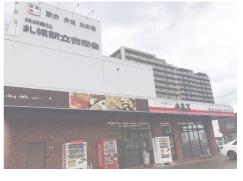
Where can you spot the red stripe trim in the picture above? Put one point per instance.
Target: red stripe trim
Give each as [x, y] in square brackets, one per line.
[197, 112]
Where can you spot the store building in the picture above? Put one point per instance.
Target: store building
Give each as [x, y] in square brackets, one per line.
[58, 87]
[170, 81]
[228, 128]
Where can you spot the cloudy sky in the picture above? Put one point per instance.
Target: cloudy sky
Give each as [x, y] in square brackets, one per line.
[195, 35]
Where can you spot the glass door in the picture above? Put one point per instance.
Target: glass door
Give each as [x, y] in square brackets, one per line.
[195, 145]
[166, 130]
[185, 140]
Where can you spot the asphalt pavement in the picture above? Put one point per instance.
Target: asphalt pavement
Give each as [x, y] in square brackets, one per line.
[222, 162]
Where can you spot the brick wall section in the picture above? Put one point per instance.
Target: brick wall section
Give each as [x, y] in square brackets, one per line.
[177, 139]
[211, 137]
[34, 128]
[155, 125]
[31, 128]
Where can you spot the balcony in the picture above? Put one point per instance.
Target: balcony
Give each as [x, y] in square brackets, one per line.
[170, 70]
[161, 68]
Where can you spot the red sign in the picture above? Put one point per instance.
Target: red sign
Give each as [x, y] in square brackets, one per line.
[76, 142]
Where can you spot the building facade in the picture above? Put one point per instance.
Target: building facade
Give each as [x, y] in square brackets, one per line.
[171, 82]
[228, 128]
[59, 88]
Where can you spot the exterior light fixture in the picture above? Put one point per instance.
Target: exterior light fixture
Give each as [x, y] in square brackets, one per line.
[89, 13]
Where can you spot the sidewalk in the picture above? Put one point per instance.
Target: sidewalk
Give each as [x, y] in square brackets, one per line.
[222, 162]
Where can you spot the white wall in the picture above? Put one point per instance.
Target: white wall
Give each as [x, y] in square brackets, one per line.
[32, 66]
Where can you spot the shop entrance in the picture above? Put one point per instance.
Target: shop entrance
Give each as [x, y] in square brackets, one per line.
[167, 130]
[36, 156]
[194, 140]
[132, 139]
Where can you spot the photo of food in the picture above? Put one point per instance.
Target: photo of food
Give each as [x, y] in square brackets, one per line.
[97, 102]
[101, 102]
[120, 103]
[78, 100]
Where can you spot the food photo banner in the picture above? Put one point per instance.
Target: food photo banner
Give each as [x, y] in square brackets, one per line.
[101, 102]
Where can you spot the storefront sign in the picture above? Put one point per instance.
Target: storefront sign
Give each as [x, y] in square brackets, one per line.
[34, 9]
[55, 35]
[17, 96]
[43, 24]
[189, 107]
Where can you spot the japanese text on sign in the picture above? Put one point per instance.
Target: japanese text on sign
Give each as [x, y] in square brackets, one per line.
[58, 36]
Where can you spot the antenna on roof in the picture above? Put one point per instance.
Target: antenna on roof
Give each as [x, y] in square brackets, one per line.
[75, 7]
[89, 13]
[57, 5]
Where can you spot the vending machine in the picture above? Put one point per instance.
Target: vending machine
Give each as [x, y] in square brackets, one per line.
[74, 155]
[107, 154]
[162, 150]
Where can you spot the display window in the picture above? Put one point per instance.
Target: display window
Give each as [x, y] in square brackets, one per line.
[132, 139]
[194, 138]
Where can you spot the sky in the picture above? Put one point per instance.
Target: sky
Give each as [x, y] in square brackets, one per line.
[200, 36]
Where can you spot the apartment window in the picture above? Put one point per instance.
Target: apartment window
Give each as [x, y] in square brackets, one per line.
[170, 85]
[169, 69]
[163, 84]
[230, 125]
[181, 86]
[161, 73]
[172, 96]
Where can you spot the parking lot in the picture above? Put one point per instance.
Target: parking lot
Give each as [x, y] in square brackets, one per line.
[222, 162]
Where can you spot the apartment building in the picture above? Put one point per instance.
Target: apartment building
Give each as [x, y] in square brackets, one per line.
[170, 81]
